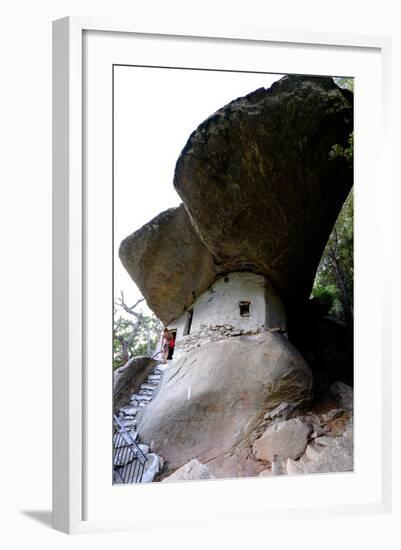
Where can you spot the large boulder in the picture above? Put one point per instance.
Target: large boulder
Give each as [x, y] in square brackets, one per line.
[260, 184]
[168, 262]
[212, 401]
[284, 439]
[128, 379]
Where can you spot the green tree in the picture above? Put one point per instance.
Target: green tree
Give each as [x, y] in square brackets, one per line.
[135, 334]
[335, 275]
[345, 83]
[334, 279]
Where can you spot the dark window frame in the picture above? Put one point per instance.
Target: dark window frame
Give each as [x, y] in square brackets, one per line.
[244, 308]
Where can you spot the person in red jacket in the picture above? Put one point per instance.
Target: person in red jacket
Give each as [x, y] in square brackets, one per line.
[167, 343]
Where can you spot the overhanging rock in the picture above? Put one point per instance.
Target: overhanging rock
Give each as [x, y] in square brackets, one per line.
[261, 193]
[168, 262]
[259, 183]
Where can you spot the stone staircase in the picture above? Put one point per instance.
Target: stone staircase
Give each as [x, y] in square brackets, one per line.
[127, 417]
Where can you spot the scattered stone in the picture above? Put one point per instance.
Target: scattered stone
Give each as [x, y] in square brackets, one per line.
[151, 468]
[287, 439]
[323, 440]
[193, 470]
[281, 412]
[331, 415]
[324, 455]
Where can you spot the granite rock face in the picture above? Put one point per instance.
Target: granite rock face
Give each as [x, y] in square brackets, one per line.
[211, 401]
[128, 378]
[168, 262]
[259, 183]
[284, 439]
[261, 193]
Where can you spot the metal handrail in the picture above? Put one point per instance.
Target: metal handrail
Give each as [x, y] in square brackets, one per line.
[129, 381]
[128, 459]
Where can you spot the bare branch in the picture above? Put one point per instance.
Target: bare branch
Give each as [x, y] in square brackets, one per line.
[129, 309]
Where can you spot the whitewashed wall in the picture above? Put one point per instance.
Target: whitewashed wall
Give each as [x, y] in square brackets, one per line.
[216, 313]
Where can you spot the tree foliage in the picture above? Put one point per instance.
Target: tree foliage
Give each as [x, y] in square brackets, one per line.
[334, 279]
[335, 275]
[134, 332]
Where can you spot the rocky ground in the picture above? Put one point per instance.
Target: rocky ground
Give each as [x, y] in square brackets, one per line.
[318, 441]
[127, 417]
[291, 438]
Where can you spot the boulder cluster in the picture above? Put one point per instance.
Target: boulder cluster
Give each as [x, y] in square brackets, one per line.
[261, 193]
[288, 439]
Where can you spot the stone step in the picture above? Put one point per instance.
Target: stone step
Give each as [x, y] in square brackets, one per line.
[147, 386]
[162, 367]
[127, 423]
[146, 392]
[142, 403]
[140, 398]
[158, 370]
[131, 411]
[154, 377]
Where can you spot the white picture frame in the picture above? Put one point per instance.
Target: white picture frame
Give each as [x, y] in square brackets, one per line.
[71, 408]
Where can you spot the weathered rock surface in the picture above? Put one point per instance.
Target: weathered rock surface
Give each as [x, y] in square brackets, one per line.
[210, 401]
[193, 470]
[152, 468]
[258, 182]
[326, 454]
[168, 262]
[261, 191]
[285, 439]
[128, 379]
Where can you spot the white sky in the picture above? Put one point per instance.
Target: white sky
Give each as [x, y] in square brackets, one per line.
[155, 112]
